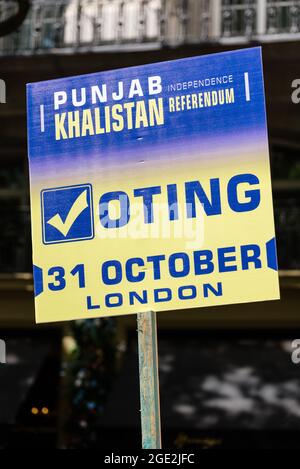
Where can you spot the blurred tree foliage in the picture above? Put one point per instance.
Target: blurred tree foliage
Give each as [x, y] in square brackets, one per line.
[91, 372]
[295, 171]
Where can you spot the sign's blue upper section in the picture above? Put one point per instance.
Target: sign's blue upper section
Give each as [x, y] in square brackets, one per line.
[246, 115]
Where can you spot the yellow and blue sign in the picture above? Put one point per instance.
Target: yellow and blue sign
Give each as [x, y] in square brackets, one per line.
[151, 189]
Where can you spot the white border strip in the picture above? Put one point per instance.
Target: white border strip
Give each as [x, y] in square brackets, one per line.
[42, 116]
[247, 86]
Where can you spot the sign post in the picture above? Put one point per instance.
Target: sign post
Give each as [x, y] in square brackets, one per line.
[149, 380]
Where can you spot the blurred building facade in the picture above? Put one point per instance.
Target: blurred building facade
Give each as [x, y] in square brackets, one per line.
[54, 26]
[65, 25]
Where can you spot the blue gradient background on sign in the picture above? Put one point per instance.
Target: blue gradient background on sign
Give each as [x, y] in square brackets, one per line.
[221, 126]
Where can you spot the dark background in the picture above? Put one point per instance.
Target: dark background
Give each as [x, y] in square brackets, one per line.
[227, 379]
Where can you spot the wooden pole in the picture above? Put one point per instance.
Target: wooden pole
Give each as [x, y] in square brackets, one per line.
[149, 380]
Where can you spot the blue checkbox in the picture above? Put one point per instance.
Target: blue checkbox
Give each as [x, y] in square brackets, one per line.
[67, 214]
